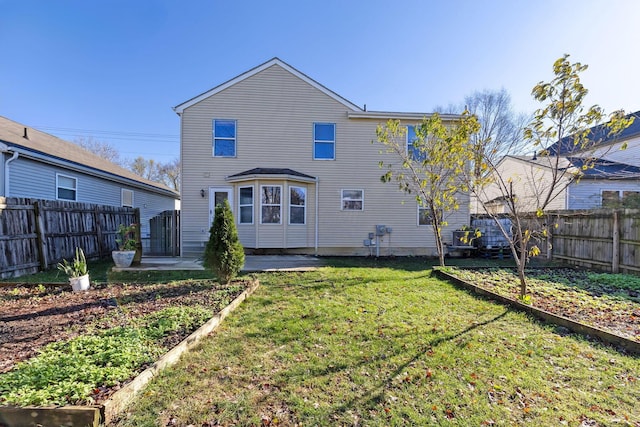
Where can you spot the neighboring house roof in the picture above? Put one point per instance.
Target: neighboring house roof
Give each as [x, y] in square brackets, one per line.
[271, 172]
[593, 169]
[39, 145]
[605, 169]
[598, 135]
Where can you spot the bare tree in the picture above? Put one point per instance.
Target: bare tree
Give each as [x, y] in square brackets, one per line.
[102, 149]
[501, 129]
[146, 168]
[170, 173]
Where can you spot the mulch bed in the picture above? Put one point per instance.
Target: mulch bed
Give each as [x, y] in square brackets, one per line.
[574, 296]
[34, 316]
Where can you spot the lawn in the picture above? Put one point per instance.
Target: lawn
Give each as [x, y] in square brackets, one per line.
[384, 343]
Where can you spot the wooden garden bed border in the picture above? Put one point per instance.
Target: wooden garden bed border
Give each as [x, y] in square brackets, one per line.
[96, 415]
[608, 337]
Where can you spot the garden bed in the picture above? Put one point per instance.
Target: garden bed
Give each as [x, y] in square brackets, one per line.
[39, 318]
[609, 302]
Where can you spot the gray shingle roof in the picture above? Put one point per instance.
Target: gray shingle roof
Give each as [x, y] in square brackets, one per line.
[37, 142]
[271, 171]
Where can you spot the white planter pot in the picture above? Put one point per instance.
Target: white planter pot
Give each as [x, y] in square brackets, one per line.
[79, 284]
[123, 259]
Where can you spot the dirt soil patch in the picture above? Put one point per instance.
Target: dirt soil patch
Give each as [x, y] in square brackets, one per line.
[606, 301]
[34, 316]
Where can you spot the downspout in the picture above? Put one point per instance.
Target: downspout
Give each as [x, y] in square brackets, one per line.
[316, 215]
[15, 155]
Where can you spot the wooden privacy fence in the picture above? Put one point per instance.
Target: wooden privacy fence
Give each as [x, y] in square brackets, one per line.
[37, 234]
[603, 239]
[165, 234]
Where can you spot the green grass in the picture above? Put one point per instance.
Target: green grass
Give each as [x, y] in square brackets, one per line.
[384, 343]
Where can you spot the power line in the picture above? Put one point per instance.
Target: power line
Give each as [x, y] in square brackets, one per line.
[68, 131]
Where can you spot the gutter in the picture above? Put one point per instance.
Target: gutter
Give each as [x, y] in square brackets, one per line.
[5, 149]
[315, 247]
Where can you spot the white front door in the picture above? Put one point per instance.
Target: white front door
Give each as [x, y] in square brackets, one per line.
[218, 195]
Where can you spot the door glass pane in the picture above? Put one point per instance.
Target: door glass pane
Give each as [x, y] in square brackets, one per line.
[220, 197]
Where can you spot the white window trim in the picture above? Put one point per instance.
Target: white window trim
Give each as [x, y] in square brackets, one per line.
[122, 191]
[335, 131]
[235, 139]
[342, 199]
[261, 205]
[58, 175]
[240, 205]
[304, 189]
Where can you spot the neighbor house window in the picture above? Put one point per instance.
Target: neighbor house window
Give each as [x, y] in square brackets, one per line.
[246, 205]
[66, 187]
[610, 198]
[297, 203]
[224, 138]
[271, 204]
[619, 198]
[324, 141]
[352, 200]
[424, 216]
[127, 198]
[413, 151]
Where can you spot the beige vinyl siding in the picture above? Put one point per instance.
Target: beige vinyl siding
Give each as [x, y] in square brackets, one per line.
[529, 182]
[275, 112]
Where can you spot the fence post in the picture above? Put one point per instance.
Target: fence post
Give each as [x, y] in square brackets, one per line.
[615, 261]
[98, 222]
[42, 241]
[549, 239]
[136, 220]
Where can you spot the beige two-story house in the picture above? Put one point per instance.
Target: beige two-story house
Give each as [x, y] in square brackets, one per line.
[299, 166]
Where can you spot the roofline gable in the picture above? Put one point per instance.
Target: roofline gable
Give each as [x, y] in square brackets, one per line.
[274, 61]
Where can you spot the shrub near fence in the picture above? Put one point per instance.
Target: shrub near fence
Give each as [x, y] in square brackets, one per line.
[37, 234]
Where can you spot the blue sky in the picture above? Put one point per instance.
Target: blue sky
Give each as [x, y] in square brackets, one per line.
[114, 69]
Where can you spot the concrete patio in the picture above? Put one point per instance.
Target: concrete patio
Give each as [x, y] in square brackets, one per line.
[253, 263]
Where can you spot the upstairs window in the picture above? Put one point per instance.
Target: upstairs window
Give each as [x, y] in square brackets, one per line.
[224, 138]
[297, 203]
[413, 151]
[127, 198]
[271, 204]
[246, 205]
[352, 200]
[66, 187]
[324, 141]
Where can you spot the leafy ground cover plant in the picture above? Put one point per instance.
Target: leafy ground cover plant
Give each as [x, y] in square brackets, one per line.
[383, 343]
[69, 372]
[81, 348]
[608, 301]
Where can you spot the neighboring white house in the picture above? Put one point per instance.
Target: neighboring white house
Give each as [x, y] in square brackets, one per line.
[34, 164]
[611, 180]
[299, 166]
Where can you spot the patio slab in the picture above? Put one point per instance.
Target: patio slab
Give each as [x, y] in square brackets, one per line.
[253, 263]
